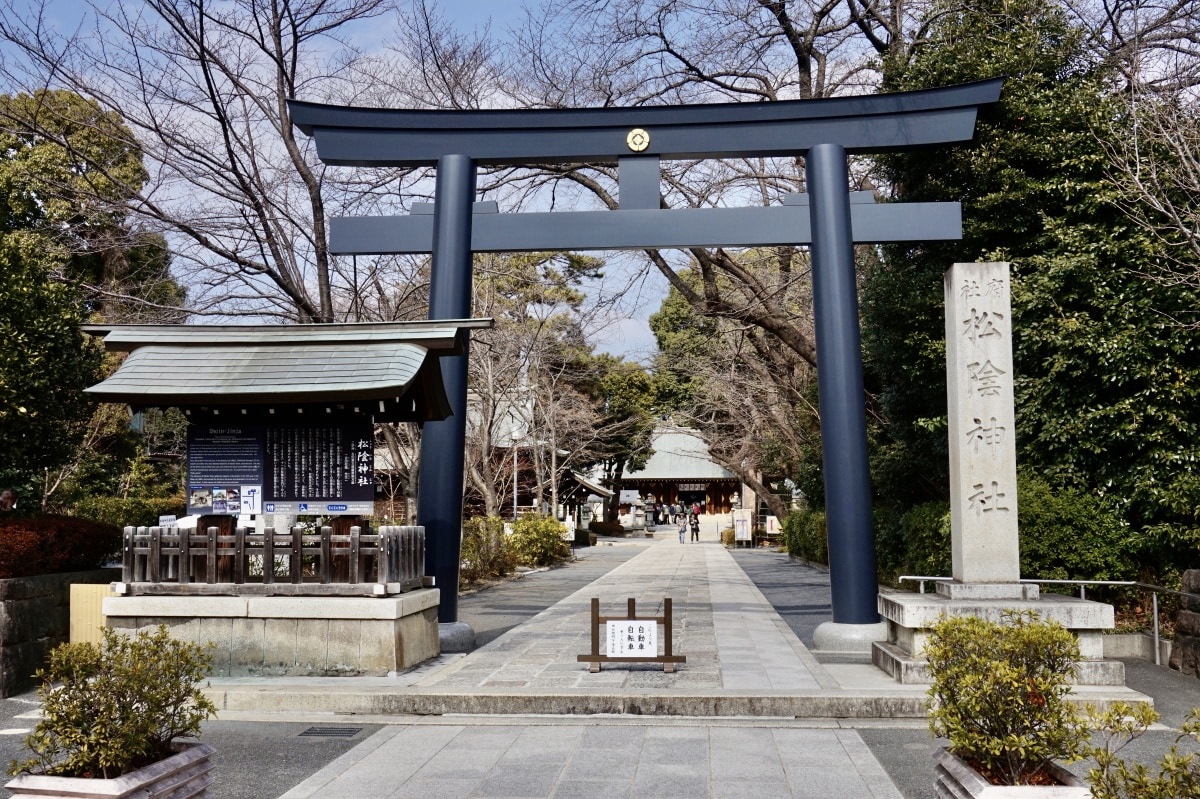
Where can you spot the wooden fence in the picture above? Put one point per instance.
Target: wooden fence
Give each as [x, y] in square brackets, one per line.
[300, 561]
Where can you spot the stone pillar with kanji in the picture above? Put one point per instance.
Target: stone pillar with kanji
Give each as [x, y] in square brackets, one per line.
[980, 423]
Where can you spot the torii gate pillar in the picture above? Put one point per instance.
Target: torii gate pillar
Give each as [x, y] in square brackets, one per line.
[440, 490]
[852, 579]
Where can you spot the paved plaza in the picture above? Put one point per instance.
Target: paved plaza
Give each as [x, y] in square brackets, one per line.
[754, 711]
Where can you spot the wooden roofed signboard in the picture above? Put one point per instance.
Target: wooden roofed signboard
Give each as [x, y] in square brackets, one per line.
[282, 416]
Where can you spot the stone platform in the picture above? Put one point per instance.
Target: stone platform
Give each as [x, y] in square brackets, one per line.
[909, 617]
[294, 636]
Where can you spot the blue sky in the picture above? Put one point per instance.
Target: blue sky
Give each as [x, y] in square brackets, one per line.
[475, 13]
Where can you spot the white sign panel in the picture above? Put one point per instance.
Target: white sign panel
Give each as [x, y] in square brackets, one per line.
[742, 530]
[632, 639]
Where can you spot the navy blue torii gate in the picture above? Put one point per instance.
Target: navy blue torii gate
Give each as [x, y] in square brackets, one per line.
[829, 218]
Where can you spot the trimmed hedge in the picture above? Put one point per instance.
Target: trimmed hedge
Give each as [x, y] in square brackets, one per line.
[1065, 534]
[130, 512]
[32, 545]
[805, 536]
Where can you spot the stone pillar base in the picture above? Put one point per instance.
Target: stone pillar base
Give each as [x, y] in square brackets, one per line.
[909, 617]
[456, 636]
[831, 637]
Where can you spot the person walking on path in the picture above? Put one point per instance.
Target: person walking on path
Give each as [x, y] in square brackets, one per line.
[695, 523]
[683, 526]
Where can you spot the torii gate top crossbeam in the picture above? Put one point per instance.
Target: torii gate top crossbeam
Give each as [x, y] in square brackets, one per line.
[348, 136]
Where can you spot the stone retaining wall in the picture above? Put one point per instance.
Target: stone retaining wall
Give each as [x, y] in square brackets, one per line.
[1185, 653]
[35, 617]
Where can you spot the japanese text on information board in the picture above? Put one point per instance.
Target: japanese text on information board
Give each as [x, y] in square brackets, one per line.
[299, 470]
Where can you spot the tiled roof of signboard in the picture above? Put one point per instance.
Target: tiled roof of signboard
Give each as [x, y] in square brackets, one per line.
[226, 364]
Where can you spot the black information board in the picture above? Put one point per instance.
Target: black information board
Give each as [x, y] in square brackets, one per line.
[298, 470]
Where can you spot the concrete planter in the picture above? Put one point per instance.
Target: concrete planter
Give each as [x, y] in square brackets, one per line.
[956, 780]
[182, 775]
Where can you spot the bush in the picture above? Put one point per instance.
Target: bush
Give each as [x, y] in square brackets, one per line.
[538, 541]
[805, 536]
[999, 694]
[925, 530]
[1069, 535]
[112, 708]
[31, 545]
[128, 511]
[486, 552]
[1178, 774]
[728, 537]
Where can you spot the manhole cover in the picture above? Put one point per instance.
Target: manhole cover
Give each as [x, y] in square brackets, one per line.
[331, 732]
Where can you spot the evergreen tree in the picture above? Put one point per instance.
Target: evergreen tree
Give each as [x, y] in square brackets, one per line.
[45, 365]
[67, 255]
[1106, 381]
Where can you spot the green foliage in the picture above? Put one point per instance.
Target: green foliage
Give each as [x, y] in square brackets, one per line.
[112, 708]
[48, 139]
[805, 535]
[925, 532]
[1069, 534]
[486, 553]
[538, 541]
[1106, 380]
[999, 694]
[625, 392]
[1065, 534]
[130, 511]
[46, 365]
[1113, 777]
[48, 544]
[67, 167]
[684, 338]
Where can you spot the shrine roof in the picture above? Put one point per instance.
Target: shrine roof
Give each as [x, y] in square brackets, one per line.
[383, 370]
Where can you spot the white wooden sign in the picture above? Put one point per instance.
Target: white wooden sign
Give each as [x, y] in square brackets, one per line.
[632, 639]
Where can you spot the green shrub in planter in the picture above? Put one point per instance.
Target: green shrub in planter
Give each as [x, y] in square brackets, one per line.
[538, 541]
[1113, 777]
[999, 694]
[112, 708]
